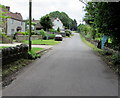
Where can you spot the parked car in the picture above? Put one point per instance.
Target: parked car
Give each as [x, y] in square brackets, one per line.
[58, 38]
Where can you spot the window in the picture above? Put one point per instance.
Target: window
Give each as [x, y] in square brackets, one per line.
[21, 23]
[12, 31]
[12, 21]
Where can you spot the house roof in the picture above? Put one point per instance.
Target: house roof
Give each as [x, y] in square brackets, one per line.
[16, 16]
[56, 19]
[53, 19]
[36, 21]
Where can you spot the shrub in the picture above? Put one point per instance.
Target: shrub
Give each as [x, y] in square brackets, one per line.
[5, 38]
[58, 29]
[52, 30]
[33, 33]
[21, 33]
[116, 59]
[43, 33]
[51, 36]
[33, 55]
[68, 32]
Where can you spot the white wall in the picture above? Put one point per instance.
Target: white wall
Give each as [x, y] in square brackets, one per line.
[12, 26]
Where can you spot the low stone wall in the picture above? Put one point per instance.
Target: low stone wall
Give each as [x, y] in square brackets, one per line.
[12, 54]
[5, 39]
[20, 38]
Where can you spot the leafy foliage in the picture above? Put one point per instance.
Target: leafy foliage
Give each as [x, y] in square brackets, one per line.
[51, 36]
[52, 30]
[116, 59]
[43, 33]
[33, 55]
[46, 22]
[86, 30]
[68, 33]
[104, 17]
[58, 29]
[66, 20]
[3, 18]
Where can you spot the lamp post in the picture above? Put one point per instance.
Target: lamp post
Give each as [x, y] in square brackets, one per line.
[30, 18]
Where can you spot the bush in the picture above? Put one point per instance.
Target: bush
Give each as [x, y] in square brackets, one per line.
[5, 39]
[68, 33]
[33, 55]
[33, 33]
[51, 36]
[52, 30]
[116, 59]
[58, 29]
[43, 33]
[21, 33]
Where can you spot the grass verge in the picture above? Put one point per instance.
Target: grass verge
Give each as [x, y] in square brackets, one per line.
[42, 42]
[1, 47]
[90, 44]
[111, 58]
[36, 50]
[8, 75]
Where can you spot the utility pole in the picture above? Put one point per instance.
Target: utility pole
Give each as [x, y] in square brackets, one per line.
[83, 2]
[30, 18]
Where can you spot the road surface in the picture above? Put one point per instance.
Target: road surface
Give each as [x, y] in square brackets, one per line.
[70, 69]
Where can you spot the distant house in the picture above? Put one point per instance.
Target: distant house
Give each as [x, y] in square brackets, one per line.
[14, 23]
[37, 26]
[57, 24]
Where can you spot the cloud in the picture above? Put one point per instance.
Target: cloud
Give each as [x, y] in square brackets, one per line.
[42, 7]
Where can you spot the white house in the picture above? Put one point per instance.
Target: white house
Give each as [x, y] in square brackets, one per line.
[14, 23]
[57, 24]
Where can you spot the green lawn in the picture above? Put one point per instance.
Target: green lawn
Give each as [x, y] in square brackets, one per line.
[89, 44]
[37, 49]
[42, 42]
[1, 47]
[33, 49]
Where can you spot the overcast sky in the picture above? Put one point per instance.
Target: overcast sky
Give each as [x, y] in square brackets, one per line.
[74, 8]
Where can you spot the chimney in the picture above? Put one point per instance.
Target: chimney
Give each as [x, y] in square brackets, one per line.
[16, 13]
[8, 8]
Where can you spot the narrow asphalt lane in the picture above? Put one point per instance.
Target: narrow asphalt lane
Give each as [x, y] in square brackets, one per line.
[69, 69]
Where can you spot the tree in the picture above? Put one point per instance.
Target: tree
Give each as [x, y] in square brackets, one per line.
[105, 18]
[42, 33]
[74, 25]
[3, 18]
[58, 29]
[46, 22]
[66, 20]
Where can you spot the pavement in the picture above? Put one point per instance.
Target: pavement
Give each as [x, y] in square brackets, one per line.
[37, 46]
[69, 69]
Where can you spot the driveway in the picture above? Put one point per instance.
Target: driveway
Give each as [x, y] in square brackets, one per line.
[69, 69]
